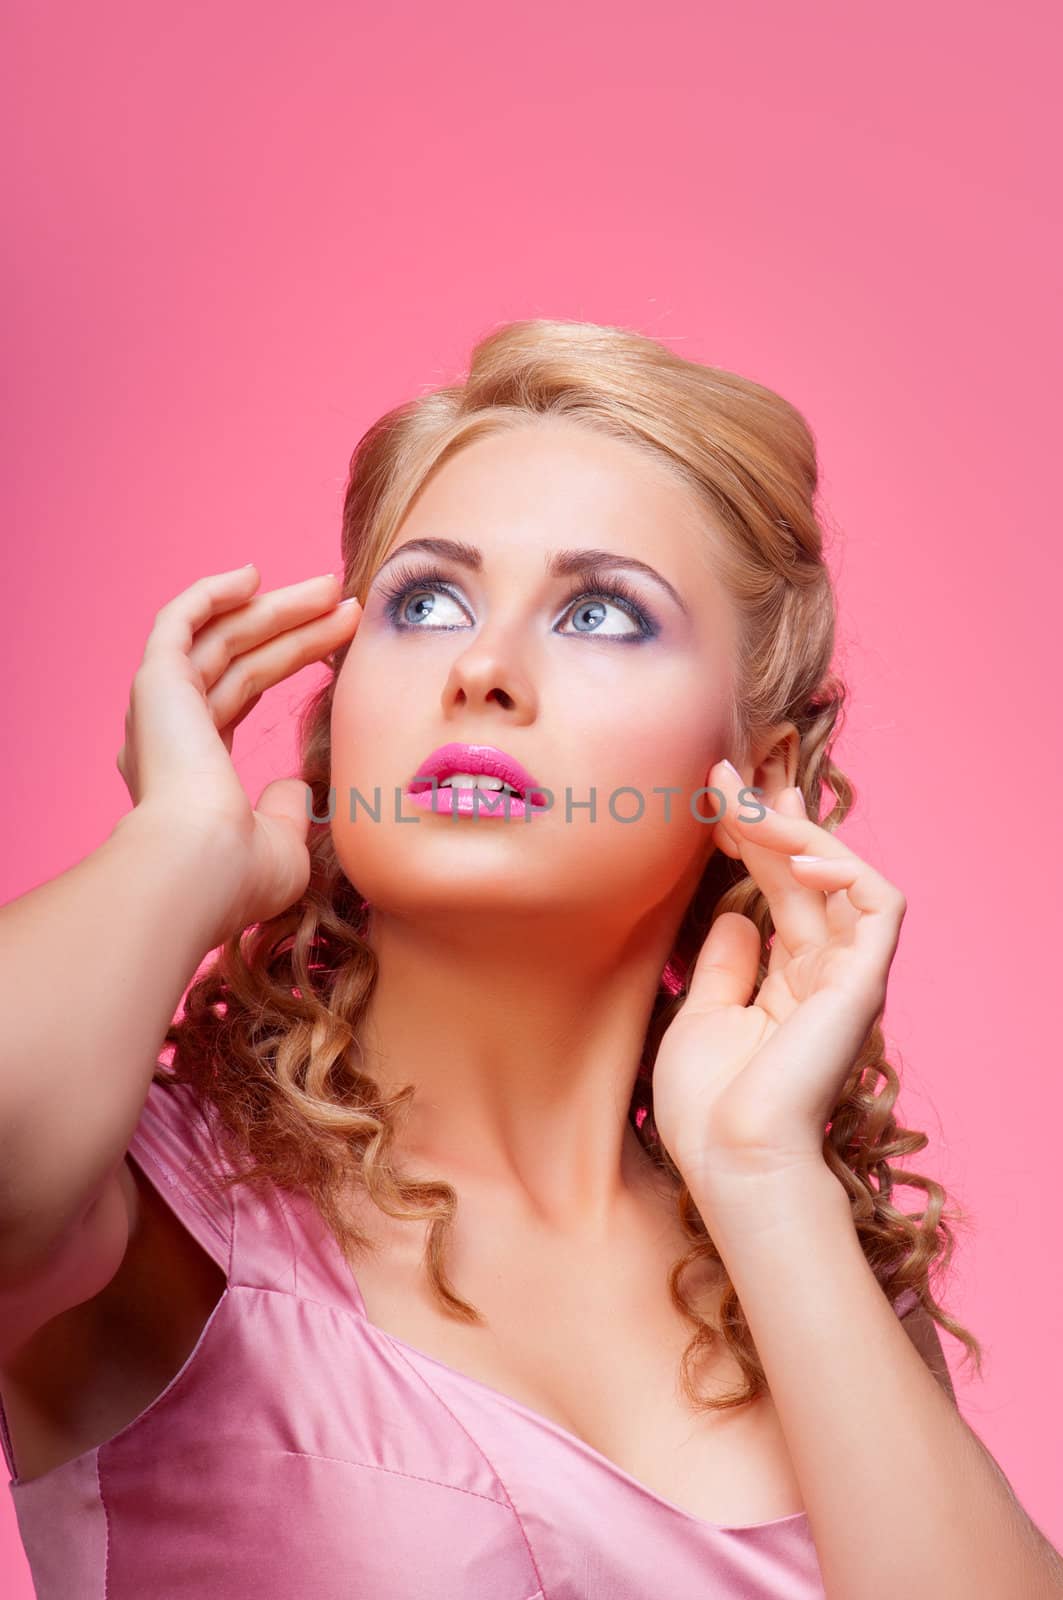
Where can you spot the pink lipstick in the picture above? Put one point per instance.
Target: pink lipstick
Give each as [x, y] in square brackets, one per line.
[477, 779]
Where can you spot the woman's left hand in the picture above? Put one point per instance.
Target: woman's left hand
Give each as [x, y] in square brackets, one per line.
[747, 1089]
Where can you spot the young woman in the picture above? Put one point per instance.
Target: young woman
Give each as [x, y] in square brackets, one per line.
[515, 1217]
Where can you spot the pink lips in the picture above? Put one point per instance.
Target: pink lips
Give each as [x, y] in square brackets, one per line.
[472, 758]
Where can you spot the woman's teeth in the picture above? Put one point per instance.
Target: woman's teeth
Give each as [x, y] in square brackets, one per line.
[476, 780]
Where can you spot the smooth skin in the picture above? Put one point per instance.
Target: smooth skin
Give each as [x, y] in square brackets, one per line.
[744, 1085]
[102, 1292]
[533, 953]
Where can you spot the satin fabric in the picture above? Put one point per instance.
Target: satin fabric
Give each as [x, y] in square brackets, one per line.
[301, 1451]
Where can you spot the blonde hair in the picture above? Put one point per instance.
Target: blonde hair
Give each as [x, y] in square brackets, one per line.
[269, 1030]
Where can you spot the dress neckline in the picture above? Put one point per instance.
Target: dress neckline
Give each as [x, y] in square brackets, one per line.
[563, 1434]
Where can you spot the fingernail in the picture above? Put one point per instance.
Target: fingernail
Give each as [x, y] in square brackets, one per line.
[352, 601]
[800, 798]
[731, 768]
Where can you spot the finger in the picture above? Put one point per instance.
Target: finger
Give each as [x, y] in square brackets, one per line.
[842, 915]
[225, 637]
[163, 720]
[285, 800]
[798, 910]
[779, 954]
[725, 972]
[725, 842]
[748, 817]
[227, 730]
[243, 684]
[879, 905]
[169, 733]
[177, 621]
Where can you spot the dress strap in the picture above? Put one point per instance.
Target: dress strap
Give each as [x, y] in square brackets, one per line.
[174, 1145]
[906, 1302]
[262, 1236]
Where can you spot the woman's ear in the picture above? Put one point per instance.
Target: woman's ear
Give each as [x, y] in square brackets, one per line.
[775, 754]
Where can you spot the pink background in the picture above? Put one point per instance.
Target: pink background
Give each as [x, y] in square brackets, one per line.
[237, 233]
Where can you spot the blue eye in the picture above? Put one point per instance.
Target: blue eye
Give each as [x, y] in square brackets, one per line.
[409, 584]
[408, 587]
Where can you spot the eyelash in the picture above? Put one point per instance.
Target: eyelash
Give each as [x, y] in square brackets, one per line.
[595, 585]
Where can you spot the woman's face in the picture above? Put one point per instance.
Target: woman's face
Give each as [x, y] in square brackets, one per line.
[590, 690]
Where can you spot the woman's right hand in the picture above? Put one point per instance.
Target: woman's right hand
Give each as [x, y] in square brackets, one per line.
[212, 653]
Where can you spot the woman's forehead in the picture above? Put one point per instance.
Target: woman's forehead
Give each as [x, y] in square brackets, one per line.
[538, 494]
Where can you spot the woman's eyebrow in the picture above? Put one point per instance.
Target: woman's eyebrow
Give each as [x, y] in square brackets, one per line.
[560, 564]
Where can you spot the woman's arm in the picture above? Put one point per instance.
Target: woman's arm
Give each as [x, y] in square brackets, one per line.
[93, 964]
[901, 1495]
[922, 1331]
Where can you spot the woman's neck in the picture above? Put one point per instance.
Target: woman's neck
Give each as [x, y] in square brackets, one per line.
[523, 1045]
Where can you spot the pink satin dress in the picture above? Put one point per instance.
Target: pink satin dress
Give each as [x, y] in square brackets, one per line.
[303, 1452]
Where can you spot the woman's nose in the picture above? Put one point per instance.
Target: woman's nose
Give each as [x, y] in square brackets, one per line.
[489, 669]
